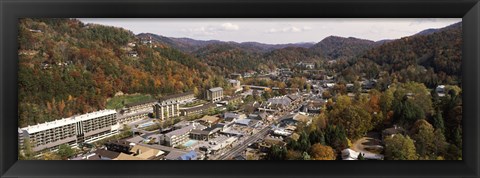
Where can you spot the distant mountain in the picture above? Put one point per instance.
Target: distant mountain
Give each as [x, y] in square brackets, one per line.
[270, 47]
[190, 45]
[434, 30]
[335, 47]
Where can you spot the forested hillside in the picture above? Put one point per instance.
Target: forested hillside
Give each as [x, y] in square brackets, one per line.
[67, 68]
[334, 47]
[431, 59]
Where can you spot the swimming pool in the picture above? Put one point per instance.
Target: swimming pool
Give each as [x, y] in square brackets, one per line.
[189, 143]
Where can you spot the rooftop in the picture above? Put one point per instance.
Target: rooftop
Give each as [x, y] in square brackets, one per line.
[205, 106]
[216, 89]
[180, 131]
[66, 121]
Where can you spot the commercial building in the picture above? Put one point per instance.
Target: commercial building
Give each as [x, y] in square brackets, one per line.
[166, 109]
[197, 110]
[215, 94]
[177, 137]
[179, 98]
[142, 105]
[74, 130]
[131, 117]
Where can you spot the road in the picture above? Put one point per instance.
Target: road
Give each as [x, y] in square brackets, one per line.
[242, 146]
[367, 142]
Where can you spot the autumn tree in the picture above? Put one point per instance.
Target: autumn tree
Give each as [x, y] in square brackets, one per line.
[353, 117]
[322, 152]
[276, 153]
[423, 134]
[65, 151]
[400, 147]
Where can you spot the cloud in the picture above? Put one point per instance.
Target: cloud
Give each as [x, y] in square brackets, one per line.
[230, 26]
[211, 29]
[289, 29]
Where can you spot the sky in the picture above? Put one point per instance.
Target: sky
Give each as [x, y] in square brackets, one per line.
[276, 31]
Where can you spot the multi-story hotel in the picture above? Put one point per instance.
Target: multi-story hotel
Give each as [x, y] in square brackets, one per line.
[215, 94]
[74, 130]
[179, 98]
[166, 109]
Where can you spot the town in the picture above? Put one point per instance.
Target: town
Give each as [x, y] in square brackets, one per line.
[183, 127]
[104, 93]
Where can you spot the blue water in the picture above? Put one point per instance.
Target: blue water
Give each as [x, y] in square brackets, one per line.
[189, 143]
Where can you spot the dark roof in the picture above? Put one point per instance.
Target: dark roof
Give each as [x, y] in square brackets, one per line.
[120, 142]
[215, 89]
[104, 153]
[201, 132]
[393, 130]
[140, 102]
[176, 95]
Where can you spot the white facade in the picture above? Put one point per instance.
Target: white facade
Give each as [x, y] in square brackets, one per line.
[88, 128]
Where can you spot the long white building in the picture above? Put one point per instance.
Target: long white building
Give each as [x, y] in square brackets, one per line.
[88, 128]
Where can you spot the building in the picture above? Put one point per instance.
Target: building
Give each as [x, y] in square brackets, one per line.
[197, 110]
[390, 132]
[215, 94]
[234, 99]
[197, 134]
[179, 98]
[440, 90]
[166, 109]
[142, 105]
[209, 120]
[177, 155]
[234, 84]
[236, 76]
[74, 130]
[131, 117]
[177, 137]
[280, 103]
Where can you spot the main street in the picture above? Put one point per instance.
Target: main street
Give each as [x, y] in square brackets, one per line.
[250, 140]
[243, 145]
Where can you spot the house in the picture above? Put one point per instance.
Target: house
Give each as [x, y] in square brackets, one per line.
[349, 154]
[390, 132]
[440, 90]
[236, 76]
[179, 155]
[132, 54]
[208, 120]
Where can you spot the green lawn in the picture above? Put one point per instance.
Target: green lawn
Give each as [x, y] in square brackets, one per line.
[119, 102]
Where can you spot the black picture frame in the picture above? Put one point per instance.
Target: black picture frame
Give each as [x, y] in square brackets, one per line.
[11, 10]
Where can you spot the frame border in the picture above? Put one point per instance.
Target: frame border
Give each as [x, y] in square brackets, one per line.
[11, 10]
